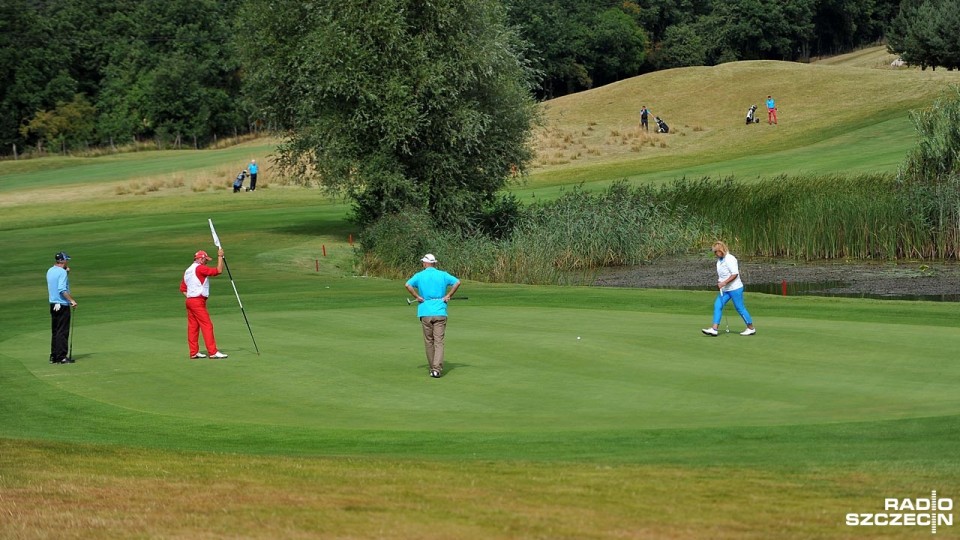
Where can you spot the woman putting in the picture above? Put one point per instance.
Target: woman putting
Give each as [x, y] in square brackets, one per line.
[731, 288]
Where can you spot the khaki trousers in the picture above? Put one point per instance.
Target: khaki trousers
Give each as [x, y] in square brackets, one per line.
[433, 331]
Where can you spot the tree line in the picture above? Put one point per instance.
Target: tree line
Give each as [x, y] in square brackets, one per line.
[80, 73]
[75, 73]
[580, 44]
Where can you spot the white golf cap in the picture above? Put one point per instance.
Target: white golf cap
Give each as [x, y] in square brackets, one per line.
[429, 258]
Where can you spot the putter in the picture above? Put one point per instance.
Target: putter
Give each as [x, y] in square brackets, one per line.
[73, 314]
[411, 301]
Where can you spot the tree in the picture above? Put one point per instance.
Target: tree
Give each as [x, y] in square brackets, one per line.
[618, 46]
[68, 124]
[842, 25]
[33, 68]
[172, 77]
[396, 104]
[924, 33]
[559, 33]
[682, 46]
[765, 29]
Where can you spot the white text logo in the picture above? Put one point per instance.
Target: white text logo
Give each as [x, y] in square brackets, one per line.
[930, 512]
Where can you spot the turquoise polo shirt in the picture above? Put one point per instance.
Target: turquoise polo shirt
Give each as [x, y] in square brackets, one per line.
[432, 285]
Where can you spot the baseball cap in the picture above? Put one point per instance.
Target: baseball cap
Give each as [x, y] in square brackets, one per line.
[61, 256]
[201, 254]
[429, 258]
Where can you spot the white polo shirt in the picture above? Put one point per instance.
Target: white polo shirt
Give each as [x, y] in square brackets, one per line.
[726, 267]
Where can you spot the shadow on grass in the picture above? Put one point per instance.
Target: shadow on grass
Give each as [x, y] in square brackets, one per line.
[448, 367]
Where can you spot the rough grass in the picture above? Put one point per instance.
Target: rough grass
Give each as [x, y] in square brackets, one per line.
[82, 491]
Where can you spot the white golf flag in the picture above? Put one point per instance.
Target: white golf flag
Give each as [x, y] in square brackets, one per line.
[216, 239]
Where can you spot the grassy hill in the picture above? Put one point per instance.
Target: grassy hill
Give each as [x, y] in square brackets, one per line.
[857, 114]
[641, 428]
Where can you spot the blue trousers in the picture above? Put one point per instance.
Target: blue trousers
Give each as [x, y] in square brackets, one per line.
[737, 297]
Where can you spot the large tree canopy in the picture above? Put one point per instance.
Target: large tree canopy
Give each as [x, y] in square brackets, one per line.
[396, 103]
[926, 33]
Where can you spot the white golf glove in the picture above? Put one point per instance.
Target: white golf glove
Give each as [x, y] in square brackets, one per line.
[56, 307]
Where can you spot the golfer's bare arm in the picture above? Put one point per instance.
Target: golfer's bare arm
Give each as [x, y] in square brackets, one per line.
[413, 292]
[453, 291]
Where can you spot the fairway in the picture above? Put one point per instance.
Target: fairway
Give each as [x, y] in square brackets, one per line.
[563, 412]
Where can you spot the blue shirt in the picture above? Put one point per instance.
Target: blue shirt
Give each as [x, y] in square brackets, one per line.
[253, 168]
[771, 104]
[432, 285]
[57, 284]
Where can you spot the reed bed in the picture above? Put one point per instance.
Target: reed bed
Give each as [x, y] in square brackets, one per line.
[565, 241]
[827, 217]
[570, 239]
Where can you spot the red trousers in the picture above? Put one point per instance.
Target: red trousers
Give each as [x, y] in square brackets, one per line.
[198, 320]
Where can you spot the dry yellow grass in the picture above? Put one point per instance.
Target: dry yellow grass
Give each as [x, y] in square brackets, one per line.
[875, 57]
[90, 492]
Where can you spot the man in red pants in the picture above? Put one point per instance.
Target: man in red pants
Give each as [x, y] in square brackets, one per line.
[196, 287]
[771, 111]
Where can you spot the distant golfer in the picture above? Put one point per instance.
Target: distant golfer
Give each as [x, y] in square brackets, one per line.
[196, 287]
[429, 286]
[252, 168]
[644, 118]
[771, 110]
[61, 304]
[731, 288]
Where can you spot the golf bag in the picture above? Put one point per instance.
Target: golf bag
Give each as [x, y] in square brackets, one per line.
[662, 126]
[238, 183]
[751, 115]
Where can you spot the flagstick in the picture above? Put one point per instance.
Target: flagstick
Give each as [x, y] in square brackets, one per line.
[216, 241]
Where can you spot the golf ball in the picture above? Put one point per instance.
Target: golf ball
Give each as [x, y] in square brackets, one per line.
[578, 338]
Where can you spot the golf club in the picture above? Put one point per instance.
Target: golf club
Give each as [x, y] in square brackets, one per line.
[411, 301]
[73, 314]
[216, 242]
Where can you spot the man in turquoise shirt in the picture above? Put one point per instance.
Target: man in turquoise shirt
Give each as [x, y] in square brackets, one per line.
[429, 286]
[771, 110]
[253, 175]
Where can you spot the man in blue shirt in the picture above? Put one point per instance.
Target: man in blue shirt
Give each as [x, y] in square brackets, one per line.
[429, 287]
[771, 110]
[61, 303]
[253, 175]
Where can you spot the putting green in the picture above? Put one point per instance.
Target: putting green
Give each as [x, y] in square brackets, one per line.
[509, 369]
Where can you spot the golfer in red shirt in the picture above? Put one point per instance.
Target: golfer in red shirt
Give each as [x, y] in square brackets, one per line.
[196, 287]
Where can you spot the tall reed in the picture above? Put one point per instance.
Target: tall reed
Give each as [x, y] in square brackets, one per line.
[930, 175]
[564, 241]
[818, 217]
